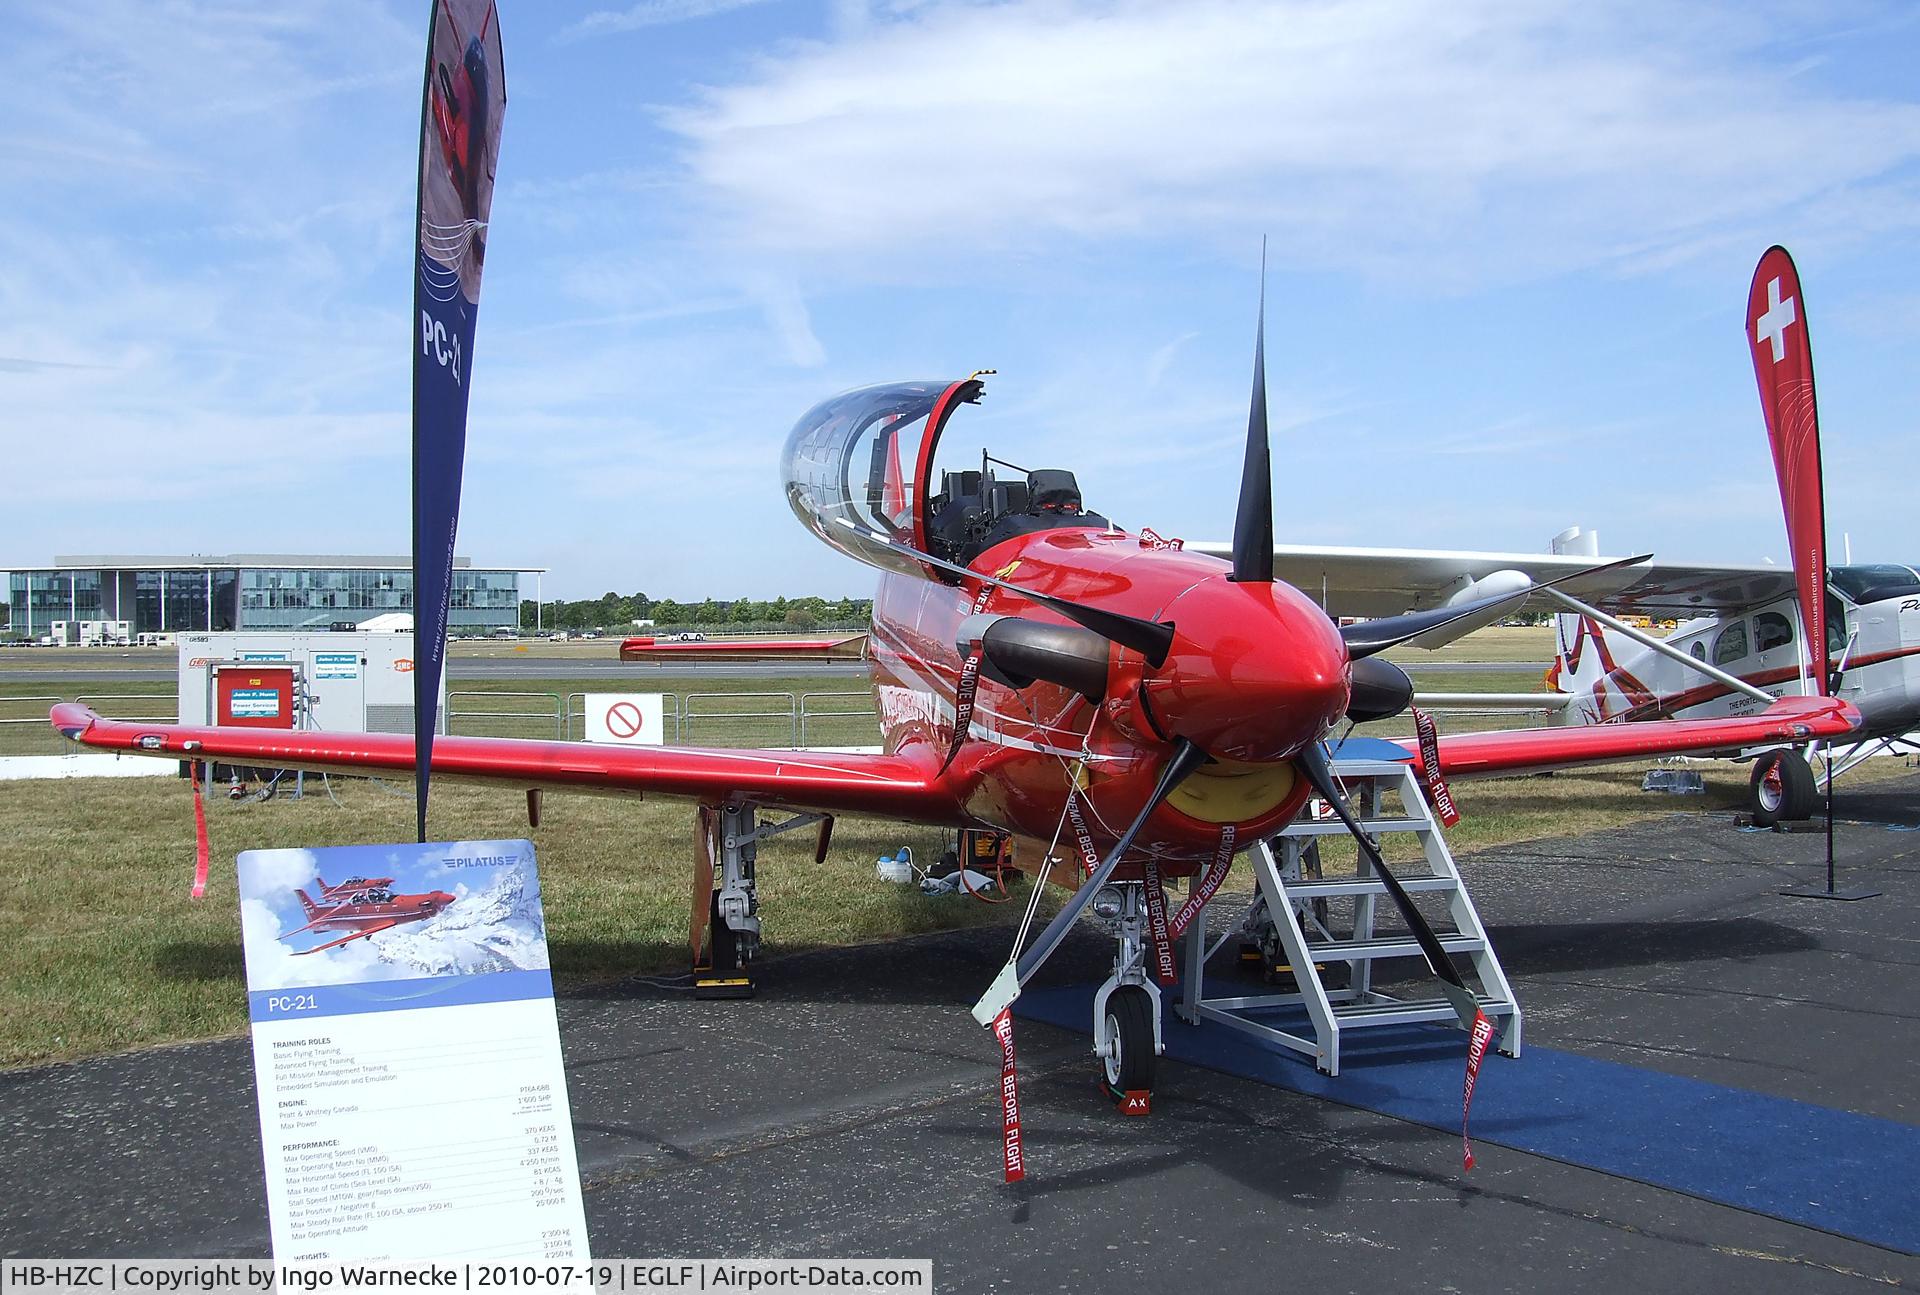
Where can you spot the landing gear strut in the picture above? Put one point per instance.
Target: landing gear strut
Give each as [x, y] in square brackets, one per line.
[733, 907]
[1126, 1009]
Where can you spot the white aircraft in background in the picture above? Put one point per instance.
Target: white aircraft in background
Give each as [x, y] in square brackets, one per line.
[1739, 644]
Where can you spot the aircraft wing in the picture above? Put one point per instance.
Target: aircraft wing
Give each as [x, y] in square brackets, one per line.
[1386, 582]
[893, 786]
[357, 935]
[302, 930]
[849, 647]
[1790, 720]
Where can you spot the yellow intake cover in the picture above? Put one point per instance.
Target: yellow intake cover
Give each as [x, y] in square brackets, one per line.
[1228, 792]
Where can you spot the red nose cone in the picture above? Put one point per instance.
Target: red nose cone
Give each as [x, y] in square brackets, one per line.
[1255, 674]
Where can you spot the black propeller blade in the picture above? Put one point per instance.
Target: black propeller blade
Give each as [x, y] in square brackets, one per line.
[1253, 522]
[1313, 763]
[1369, 637]
[1151, 639]
[1186, 758]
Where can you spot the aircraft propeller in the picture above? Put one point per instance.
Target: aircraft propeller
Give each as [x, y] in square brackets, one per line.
[1186, 757]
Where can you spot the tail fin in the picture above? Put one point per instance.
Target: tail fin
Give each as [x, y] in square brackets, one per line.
[1783, 366]
[321, 882]
[1581, 659]
[307, 904]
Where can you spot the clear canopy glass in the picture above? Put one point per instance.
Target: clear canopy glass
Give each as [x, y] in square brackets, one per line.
[849, 468]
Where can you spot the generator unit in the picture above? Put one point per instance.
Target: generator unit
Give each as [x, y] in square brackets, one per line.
[343, 682]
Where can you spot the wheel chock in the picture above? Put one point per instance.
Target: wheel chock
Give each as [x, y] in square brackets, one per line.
[708, 983]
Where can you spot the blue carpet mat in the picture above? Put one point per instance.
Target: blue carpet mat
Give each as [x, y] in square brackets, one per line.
[1853, 1175]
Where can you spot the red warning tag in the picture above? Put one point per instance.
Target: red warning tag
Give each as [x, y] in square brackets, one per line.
[1163, 967]
[969, 686]
[1476, 1052]
[1430, 766]
[200, 848]
[1082, 839]
[1012, 1153]
[1209, 885]
[1136, 1101]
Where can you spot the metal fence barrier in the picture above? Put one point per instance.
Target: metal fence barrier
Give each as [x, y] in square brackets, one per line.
[26, 732]
[772, 711]
[817, 706]
[105, 704]
[552, 714]
[772, 719]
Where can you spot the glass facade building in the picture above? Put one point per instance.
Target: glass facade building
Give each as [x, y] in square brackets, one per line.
[247, 592]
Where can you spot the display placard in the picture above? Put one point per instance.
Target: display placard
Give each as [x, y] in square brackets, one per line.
[626, 718]
[407, 1055]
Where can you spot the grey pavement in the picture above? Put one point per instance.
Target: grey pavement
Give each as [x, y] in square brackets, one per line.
[850, 1109]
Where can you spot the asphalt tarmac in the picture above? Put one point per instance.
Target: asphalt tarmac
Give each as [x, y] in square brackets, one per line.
[851, 1109]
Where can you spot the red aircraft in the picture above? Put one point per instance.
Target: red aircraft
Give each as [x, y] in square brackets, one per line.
[329, 890]
[364, 907]
[697, 647]
[1034, 666]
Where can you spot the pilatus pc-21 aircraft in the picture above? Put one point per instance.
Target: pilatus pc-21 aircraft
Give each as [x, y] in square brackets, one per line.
[363, 906]
[1039, 671]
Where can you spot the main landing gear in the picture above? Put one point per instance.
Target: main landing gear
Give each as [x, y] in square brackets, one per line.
[726, 905]
[1781, 789]
[1126, 1009]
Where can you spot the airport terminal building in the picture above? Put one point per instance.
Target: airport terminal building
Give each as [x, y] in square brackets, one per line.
[164, 594]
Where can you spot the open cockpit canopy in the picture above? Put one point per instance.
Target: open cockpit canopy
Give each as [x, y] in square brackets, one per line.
[858, 470]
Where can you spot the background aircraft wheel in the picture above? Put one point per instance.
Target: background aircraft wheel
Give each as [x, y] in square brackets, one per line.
[1782, 789]
[726, 953]
[1129, 1067]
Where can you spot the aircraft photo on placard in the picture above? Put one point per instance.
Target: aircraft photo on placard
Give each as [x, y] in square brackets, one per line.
[455, 908]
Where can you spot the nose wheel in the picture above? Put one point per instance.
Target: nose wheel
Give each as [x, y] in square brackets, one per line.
[1126, 1011]
[1128, 1057]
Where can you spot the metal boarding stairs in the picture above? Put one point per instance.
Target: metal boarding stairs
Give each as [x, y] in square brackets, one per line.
[1298, 904]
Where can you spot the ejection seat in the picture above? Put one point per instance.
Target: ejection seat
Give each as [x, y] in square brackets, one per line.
[1049, 499]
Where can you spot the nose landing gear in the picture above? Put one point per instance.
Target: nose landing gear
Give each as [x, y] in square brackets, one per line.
[1126, 1009]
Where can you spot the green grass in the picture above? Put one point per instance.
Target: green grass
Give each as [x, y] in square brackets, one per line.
[105, 950]
[1493, 644]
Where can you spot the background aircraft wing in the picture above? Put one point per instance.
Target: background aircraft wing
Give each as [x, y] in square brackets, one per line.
[1791, 720]
[849, 647]
[1386, 582]
[891, 785]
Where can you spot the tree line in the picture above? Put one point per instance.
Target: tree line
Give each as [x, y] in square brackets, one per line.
[617, 613]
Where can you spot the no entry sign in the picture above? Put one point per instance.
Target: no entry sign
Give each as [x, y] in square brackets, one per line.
[625, 718]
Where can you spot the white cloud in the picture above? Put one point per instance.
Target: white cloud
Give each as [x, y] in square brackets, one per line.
[1442, 141]
[648, 13]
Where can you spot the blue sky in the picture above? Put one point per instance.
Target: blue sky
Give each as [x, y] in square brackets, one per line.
[1511, 244]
